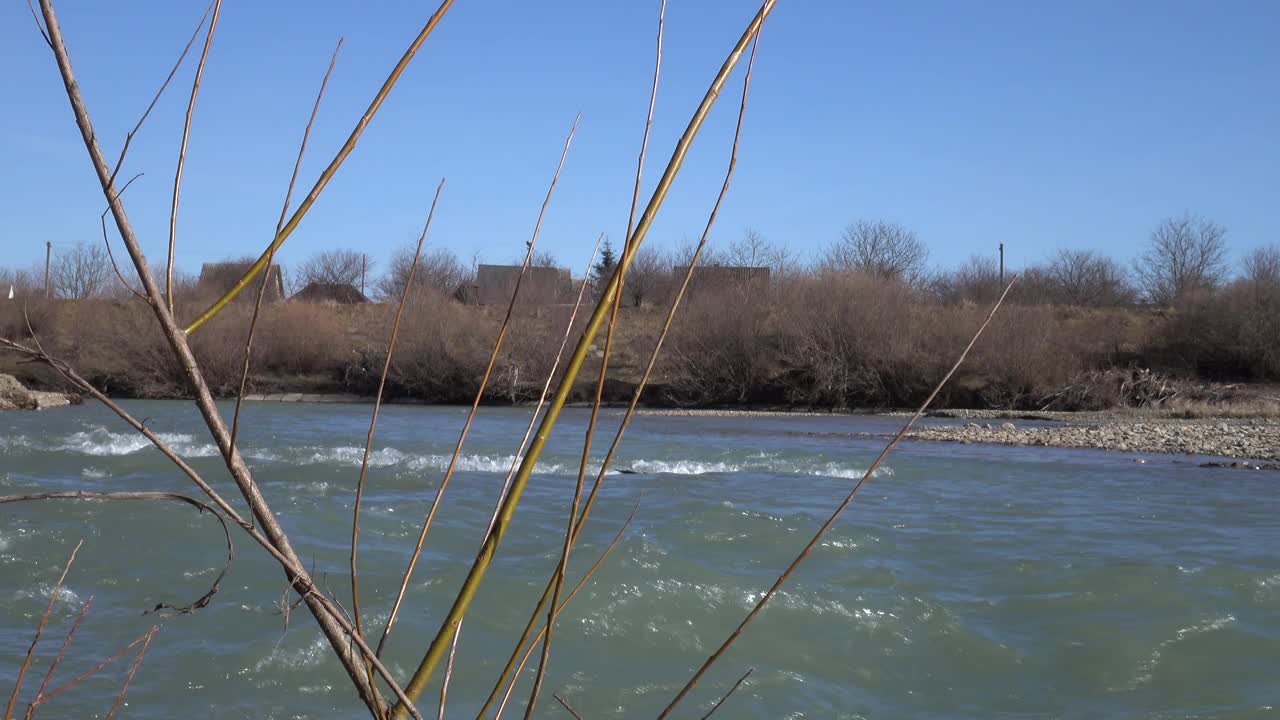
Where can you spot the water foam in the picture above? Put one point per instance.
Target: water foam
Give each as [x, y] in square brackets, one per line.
[101, 442]
[1149, 665]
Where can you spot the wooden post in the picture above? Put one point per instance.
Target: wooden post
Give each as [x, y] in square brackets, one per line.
[1002, 263]
[48, 255]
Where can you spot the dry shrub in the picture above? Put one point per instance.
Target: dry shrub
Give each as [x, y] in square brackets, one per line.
[1231, 334]
[441, 352]
[720, 348]
[296, 338]
[851, 339]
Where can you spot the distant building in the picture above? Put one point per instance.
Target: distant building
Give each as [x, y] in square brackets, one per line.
[217, 278]
[718, 278]
[541, 285]
[331, 293]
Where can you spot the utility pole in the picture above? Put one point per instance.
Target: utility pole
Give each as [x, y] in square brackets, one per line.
[364, 261]
[1002, 263]
[48, 255]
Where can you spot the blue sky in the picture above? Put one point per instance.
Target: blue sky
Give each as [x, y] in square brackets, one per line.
[1042, 125]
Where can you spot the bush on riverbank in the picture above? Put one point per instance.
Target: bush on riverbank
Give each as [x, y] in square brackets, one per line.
[824, 339]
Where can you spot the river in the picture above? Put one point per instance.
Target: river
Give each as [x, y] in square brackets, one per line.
[964, 581]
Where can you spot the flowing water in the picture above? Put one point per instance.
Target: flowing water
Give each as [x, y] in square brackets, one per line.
[965, 581]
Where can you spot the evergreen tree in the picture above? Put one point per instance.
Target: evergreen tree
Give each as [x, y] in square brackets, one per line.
[603, 268]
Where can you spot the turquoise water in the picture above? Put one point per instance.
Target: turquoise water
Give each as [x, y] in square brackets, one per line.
[965, 581]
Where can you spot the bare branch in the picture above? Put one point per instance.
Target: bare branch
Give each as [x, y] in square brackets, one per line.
[732, 690]
[565, 705]
[26, 662]
[182, 150]
[284, 209]
[132, 670]
[161, 608]
[767, 596]
[475, 405]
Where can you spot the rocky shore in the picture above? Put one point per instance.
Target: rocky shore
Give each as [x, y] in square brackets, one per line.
[15, 396]
[1255, 440]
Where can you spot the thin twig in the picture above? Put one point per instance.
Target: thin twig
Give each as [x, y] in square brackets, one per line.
[329, 171]
[326, 617]
[565, 705]
[132, 669]
[96, 668]
[262, 290]
[299, 579]
[129, 137]
[26, 662]
[448, 672]
[732, 690]
[62, 651]
[182, 149]
[764, 599]
[563, 565]
[585, 577]
[377, 407]
[484, 381]
[163, 608]
[462, 602]
[110, 255]
[639, 390]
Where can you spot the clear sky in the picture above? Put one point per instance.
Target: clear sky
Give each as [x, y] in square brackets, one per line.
[1043, 125]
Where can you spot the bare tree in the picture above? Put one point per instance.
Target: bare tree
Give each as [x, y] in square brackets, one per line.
[753, 250]
[439, 269]
[649, 278]
[542, 258]
[1185, 255]
[1262, 265]
[879, 248]
[23, 283]
[333, 267]
[82, 272]
[977, 280]
[1087, 278]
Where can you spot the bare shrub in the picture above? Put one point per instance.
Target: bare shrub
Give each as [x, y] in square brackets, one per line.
[884, 249]
[1185, 256]
[719, 349]
[1262, 266]
[976, 281]
[1087, 278]
[84, 271]
[1032, 353]
[438, 269]
[302, 339]
[333, 267]
[442, 351]
[649, 279]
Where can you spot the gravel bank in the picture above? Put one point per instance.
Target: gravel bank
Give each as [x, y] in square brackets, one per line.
[1249, 439]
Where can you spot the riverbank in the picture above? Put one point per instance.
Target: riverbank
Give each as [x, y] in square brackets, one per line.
[1247, 440]
[15, 396]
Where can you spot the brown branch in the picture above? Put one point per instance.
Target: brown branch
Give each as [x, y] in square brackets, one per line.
[132, 670]
[182, 151]
[329, 171]
[129, 137]
[484, 381]
[96, 668]
[448, 672]
[298, 579]
[377, 406]
[162, 608]
[110, 255]
[565, 705]
[329, 621]
[26, 662]
[62, 651]
[585, 577]
[562, 567]
[732, 690]
[635, 397]
[764, 599]
[262, 290]
[39, 27]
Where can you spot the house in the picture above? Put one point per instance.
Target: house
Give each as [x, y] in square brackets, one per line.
[330, 293]
[718, 278]
[217, 278]
[541, 285]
